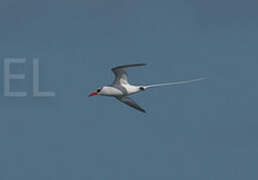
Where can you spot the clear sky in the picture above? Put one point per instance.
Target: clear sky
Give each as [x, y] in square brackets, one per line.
[204, 130]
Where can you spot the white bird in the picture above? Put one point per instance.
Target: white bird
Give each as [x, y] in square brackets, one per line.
[121, 88]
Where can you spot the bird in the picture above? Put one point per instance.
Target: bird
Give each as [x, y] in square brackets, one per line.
[121, 88]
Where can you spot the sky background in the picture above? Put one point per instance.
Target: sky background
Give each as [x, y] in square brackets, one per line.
[199, 131]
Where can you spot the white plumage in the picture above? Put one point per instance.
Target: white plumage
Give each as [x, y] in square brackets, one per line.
[121, 88]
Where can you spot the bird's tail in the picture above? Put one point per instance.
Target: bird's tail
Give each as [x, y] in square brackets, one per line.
[173, 83]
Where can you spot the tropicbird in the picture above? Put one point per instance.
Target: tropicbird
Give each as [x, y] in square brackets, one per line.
[121, 89]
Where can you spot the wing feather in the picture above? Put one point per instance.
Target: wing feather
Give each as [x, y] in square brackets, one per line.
[121, 76]
[128, 101]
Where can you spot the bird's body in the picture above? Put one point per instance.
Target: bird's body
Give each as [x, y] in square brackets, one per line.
[111, 91]
[121, 88]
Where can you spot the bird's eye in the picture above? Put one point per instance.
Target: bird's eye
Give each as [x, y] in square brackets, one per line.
[98, 90]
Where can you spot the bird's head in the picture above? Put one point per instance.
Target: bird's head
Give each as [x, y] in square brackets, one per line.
[97, 92]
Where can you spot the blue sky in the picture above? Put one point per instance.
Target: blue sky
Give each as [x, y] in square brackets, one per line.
[204, 130]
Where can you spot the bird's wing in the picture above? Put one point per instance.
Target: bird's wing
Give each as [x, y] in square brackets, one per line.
[121, 75]
[173, 83]
[131, 103]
